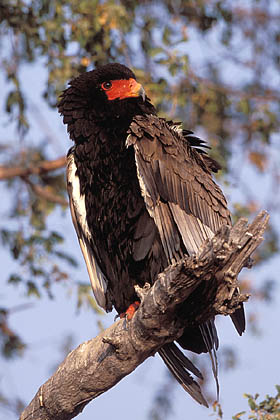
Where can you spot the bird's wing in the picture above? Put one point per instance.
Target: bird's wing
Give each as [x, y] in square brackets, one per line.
[177, 186]
[98, 280]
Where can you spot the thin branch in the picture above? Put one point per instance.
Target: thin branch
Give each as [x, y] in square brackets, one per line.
[45, 193]
[18, 308]
[98, 364]
[255, 14]
[44, 166]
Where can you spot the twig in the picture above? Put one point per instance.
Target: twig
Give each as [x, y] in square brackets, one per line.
[44, 193]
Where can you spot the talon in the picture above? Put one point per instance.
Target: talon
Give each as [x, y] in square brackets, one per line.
[128, 314]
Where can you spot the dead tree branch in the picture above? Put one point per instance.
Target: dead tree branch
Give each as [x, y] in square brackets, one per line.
[97, 365]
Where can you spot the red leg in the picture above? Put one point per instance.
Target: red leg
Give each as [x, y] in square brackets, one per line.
[130, 311]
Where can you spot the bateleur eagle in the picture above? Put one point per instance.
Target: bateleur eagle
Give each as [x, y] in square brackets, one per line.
[141, 197]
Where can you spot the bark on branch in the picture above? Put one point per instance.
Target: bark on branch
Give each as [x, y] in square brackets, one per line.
[97, 365]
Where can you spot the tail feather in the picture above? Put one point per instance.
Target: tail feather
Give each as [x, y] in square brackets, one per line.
[238, 319]
[210, 338]
[178, 364]
[200, 339]
[183, 360]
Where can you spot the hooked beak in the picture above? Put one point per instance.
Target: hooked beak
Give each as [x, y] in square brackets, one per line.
[123, 89]
[134, 90]
[142, 93]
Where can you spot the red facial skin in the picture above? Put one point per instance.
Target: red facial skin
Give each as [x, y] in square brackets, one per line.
[121, 89]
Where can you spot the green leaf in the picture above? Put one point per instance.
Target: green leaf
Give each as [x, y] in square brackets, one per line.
[14, 279]
[238, 415]
[32, 289]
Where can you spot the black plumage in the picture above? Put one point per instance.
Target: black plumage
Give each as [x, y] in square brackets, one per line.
[141, 196]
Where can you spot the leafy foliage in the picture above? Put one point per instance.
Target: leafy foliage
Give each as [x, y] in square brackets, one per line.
[11, 343]
[268, 409]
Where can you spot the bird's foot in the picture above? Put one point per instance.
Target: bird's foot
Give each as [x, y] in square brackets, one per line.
[128, 314]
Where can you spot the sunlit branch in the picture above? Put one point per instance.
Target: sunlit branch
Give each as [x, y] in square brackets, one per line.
[7, 172]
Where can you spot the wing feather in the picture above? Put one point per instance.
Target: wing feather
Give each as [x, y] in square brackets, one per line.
[176, 185]
[98, 280]
[144, 237]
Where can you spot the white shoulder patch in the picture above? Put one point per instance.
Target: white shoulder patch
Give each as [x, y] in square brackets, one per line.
[78, 199]
[98, 280]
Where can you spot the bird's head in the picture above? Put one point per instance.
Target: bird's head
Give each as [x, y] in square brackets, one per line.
[106, 95]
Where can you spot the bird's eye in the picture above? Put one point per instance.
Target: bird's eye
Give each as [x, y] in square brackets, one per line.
[106, 85]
